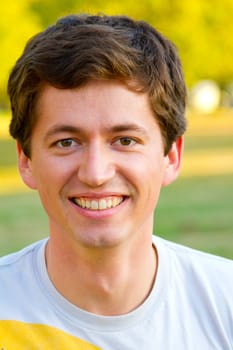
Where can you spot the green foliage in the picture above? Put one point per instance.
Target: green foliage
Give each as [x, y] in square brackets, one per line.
[17, 24]
[49, 10]
[201, 30]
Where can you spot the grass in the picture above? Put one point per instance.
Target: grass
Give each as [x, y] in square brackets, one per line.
[23, 221]
[196, 210]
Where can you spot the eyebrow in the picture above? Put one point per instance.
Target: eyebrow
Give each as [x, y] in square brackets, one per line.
[129, 127]
[59, 128]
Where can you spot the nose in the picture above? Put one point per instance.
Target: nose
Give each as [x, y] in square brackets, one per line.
[96, 167]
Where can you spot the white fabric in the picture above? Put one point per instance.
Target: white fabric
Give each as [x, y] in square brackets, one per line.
[190, 306]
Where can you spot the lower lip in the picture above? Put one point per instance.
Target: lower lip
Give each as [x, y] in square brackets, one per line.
[99, 214]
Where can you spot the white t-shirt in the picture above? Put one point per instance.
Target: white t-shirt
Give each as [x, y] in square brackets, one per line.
[190, 307]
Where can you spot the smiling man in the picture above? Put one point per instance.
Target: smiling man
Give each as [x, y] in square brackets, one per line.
[98, 108]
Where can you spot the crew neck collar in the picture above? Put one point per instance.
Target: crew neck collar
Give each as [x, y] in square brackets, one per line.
[74, 314]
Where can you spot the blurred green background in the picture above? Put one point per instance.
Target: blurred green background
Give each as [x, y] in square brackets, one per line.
[197, 210]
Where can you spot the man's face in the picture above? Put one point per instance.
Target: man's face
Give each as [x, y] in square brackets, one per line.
[97, 160]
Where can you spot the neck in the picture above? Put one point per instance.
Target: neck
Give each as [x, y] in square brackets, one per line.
[107, 282]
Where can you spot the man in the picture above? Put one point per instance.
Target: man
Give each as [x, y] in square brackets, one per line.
[98, 114]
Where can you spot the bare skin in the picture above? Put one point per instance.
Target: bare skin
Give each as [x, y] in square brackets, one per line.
[113, 283]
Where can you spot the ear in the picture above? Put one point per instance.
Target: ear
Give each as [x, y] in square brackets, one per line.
[173, 161]
[25, 168]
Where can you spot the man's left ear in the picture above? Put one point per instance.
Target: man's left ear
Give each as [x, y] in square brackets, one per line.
[173, 161]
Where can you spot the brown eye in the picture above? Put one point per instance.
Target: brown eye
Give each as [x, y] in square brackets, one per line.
[126, 141]
[66, 143]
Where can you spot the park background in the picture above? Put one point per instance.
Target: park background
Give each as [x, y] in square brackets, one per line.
[196, 210]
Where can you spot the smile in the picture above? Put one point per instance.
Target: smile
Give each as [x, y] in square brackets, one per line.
[98, 204]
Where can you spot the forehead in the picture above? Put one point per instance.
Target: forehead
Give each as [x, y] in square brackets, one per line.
[115, 88]
[96, 103]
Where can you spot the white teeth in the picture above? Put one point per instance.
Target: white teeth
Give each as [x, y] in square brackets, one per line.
[102, 204]
[115, 201]
[86, 204]
[109, 203]
[94, 205]
[98, 204]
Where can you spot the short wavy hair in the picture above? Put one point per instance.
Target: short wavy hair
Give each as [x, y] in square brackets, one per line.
[81, 48]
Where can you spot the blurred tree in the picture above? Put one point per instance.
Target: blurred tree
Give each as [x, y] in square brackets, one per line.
[16, 26]
[201, 29]
[49, 10]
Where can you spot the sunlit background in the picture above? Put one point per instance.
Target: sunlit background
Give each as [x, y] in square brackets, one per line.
[196, 210]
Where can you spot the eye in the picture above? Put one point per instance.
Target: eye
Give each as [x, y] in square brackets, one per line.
[66, 143]
[125, 141]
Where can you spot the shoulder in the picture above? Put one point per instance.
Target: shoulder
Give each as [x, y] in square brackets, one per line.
[197, 266]
[200, 287]
[191, 255]
[20, 257]
[19, 276]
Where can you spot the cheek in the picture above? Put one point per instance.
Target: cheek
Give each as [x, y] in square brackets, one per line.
[51, 171]
[146, 173]
[153, 176]
[56, 181]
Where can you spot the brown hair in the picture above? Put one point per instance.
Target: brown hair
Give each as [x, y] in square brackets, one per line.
[81, 48]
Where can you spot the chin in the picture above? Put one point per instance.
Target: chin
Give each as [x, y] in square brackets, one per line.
[101, 241]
